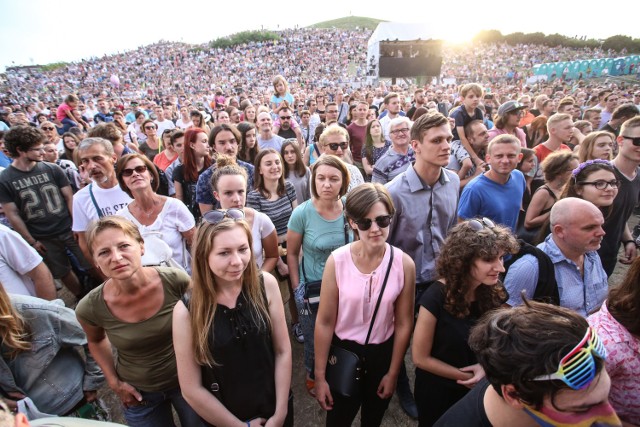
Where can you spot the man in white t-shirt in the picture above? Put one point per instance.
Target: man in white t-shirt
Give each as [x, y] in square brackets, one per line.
[103, 196]
[22, 270]
[162, 122]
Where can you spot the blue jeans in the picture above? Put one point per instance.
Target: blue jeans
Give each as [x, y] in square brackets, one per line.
[156, 410]
[67, 124]
[308, 324]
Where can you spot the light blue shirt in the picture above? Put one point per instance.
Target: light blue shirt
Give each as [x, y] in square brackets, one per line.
[584, 295]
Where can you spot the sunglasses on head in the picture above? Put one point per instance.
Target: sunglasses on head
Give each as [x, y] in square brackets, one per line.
[636, 141]
[335, 145]
[578, 368]
[382, 221]
[216, 216]
[138, 169]
[480, 224]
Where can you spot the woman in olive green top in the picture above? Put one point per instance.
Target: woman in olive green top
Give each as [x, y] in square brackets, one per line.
[132, 312]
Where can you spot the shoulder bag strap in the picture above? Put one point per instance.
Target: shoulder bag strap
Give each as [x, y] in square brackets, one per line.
[384, 285]
[93, 199]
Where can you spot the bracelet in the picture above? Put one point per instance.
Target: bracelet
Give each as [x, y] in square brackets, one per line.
[625, 242]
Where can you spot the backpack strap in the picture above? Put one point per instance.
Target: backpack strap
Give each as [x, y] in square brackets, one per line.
[95, 203]
[547, 287]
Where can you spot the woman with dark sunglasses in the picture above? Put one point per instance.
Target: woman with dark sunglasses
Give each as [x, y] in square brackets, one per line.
[158, 216]
[354, 279]
[230, 334]
[153, 145]
[469, 268]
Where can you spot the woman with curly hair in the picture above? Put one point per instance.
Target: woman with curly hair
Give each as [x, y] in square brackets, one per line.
[469, 268]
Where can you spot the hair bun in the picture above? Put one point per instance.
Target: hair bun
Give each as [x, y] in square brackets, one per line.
[223, 160]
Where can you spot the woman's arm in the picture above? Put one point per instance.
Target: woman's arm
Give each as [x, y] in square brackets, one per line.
[270, 246]
[294, 244]
[100, 348]
[538, 203]
[368, 168]
[325, 328]
[422, 345]
[179, 194]
[403, 326]
[282, 350]
[190, 377]
[188, 236]
[306, 156]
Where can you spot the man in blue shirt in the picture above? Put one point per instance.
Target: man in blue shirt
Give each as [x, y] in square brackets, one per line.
[576, 233]
[497, 193]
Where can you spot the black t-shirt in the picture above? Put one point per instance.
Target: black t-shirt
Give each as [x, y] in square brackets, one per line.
[469, 411]
[451, 334]
[37, 195]
[188, 190]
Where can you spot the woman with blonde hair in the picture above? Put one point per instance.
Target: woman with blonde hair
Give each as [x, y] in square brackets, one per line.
[131, 312]
[40, 359]
[597, 145]
[231, 341]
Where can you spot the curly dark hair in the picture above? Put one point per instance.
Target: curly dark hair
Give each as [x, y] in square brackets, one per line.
[23, 138]
[462, 247]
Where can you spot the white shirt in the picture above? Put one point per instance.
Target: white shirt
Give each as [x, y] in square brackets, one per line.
[164, 125]
[182, 125]
[17, 258]
[109, 201]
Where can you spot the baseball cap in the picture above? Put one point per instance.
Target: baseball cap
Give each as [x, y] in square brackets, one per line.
[509, 106]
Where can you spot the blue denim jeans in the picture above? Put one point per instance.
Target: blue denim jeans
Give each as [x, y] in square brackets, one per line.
[156, 410]
[308, 324]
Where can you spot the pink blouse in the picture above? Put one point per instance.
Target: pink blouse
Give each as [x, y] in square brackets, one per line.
[623, 364]
[358, 294]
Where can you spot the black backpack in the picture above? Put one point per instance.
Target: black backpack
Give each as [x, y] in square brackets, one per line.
[547, 287]
[163, 184]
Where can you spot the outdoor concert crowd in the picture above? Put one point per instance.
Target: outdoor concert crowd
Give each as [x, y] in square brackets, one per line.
[205, 211]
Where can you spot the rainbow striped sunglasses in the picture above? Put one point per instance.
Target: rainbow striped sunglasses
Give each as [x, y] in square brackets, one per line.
[578, 368]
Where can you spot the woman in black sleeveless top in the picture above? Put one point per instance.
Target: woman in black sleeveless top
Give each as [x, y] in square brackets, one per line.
[231, 341]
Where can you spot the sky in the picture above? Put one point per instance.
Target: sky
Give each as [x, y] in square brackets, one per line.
[47, 31]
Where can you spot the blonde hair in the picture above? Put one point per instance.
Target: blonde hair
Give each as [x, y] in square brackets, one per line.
[204, 297]
[112, 221]
[13, 329]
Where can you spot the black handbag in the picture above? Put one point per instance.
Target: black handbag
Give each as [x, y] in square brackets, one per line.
[312, 289]
[344, 367]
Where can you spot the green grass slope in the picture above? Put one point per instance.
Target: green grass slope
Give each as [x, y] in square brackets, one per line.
[349, 23]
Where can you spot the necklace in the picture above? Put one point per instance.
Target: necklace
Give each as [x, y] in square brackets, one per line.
[150, 212]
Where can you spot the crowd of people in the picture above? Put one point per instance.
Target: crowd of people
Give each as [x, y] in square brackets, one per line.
[476, 226]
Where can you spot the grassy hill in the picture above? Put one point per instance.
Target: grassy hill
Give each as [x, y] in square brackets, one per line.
[349, 23]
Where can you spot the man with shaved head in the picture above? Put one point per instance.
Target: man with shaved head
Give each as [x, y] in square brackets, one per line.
[576, 234]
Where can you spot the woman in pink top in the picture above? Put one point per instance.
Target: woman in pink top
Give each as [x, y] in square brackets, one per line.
[618, 325]
[351, 284]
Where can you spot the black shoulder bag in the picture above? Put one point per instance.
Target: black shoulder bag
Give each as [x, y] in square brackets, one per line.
[343, 366]
[312, 290]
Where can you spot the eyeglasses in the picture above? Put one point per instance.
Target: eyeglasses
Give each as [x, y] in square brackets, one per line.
[149, 128]
[397, 131]
[216, 216]
[636, 141]
[382, 221]
[480, 224]
[301, 106]
[578, 368]
[138, 169]
[285, 117]
[601, 184]
[334, 146]
[47, 128]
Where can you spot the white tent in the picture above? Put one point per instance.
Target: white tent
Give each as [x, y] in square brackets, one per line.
[395, 31]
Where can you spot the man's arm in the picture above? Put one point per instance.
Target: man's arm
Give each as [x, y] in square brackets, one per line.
[13, 215]
[43, 282]
[67, 193]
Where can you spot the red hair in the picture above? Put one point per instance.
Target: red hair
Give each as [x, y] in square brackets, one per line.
[188, 156]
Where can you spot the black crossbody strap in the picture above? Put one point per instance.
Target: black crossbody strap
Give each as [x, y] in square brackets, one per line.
[93, 199]
[384, 285]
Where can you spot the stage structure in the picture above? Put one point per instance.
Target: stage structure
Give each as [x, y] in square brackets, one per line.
[403, 50]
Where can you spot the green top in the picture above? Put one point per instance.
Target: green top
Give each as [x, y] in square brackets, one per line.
[145, 358]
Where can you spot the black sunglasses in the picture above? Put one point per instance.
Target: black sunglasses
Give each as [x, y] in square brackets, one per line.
[138, 169]
[285, 117]
[382, 221]
[216, 216]
[149, 128]
[636, 141]
[334, 145]
[47, 128]
[480, 224]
